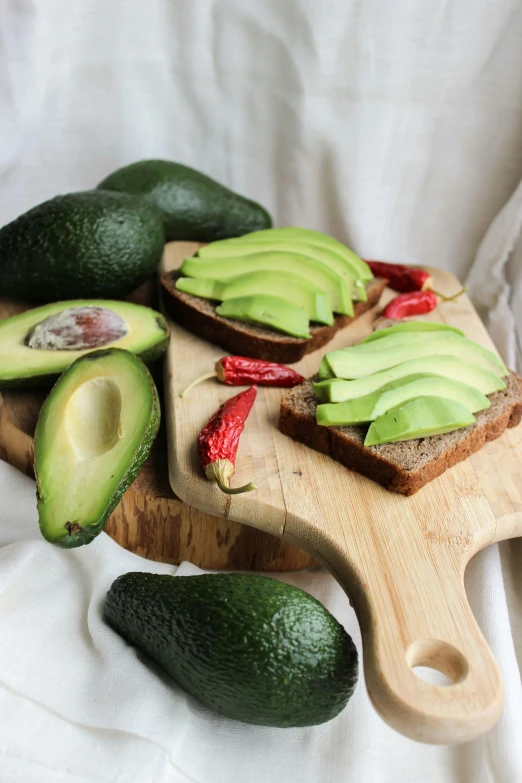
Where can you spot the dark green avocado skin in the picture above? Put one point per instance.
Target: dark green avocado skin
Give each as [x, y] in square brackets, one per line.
[87, 534]
[251, 648]
[88, 244]
[194, 207]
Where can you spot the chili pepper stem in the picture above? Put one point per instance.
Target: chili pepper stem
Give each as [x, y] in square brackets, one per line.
[450, 298]
[201, 378]
[220, 471]
[235, 490]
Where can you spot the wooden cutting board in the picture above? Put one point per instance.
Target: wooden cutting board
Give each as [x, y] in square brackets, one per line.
[400, 559]
[150, 520]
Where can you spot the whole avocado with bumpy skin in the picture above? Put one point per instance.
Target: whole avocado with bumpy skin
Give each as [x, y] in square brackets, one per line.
[87, 244]
[252, 648]
[193, 207]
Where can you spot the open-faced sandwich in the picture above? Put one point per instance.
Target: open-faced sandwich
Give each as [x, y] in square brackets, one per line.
[404, 404]
[275, 294]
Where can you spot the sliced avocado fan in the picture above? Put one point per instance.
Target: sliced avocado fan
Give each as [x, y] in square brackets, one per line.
[364, 359]
[296, 289]
[94, 432]
[230, 248]
[38, 345]
[296, 234]
[317, 273]
[415, 380]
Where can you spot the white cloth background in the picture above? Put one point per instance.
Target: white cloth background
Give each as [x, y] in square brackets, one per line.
[396, 127]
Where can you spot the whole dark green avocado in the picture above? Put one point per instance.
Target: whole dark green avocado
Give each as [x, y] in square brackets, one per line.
[250, 647]
[194, 207]
[88, 244]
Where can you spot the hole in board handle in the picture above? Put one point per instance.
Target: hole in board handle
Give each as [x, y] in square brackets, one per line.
[440, 656]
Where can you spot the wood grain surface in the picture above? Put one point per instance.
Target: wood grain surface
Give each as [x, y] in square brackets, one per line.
[400, 559]
[150, 520]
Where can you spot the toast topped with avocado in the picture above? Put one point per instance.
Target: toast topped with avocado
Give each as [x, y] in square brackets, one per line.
[405, 404]
[276, 294]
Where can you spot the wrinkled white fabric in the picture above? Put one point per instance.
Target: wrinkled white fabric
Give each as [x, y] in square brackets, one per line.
[79, 704]
[395, 127]
[495, 281]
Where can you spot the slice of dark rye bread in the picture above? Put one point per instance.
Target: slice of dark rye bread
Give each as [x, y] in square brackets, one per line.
[199, 316]
[406, 466]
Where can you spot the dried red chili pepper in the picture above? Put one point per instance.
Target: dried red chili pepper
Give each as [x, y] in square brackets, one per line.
[238, 371]
[401, 277]
[219, 440]
[416, 303]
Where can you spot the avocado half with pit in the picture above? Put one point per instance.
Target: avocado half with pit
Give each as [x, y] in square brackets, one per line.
[38, 345]
[94, 432]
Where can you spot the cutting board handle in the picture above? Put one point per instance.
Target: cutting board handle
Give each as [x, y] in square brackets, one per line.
[412, 607]
[447, 640]
[414, 612]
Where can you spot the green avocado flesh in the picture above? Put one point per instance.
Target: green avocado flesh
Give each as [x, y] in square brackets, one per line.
[94, 433]
[364, 409]
[338, 390]
[326, 372]
[192, 205]
[367, 358]
[144, 332]
[412, 380]
[305, 267]
[309, 237]
[296, 290]
[94, 242]
[410, 326]
[421, 417]
[270, 311]
[251, 648]
[337, 263]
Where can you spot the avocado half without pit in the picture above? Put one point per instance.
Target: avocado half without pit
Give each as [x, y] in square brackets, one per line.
[36, 346]
[94, 432]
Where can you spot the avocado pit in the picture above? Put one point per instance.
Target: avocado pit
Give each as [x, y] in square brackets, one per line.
[77, 329]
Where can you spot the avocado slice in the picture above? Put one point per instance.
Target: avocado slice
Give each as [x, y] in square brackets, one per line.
[418, 418]
[296, 290]
[337, 390]
[38, 345]
[96, 243]
[365, 409]
[243, 247]
[367, 358]
[307, 268]
[94, 432]
[411, 326]
[325, 372]
[271, 311]
[252, 648]
[310, 237]
[193, 206]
